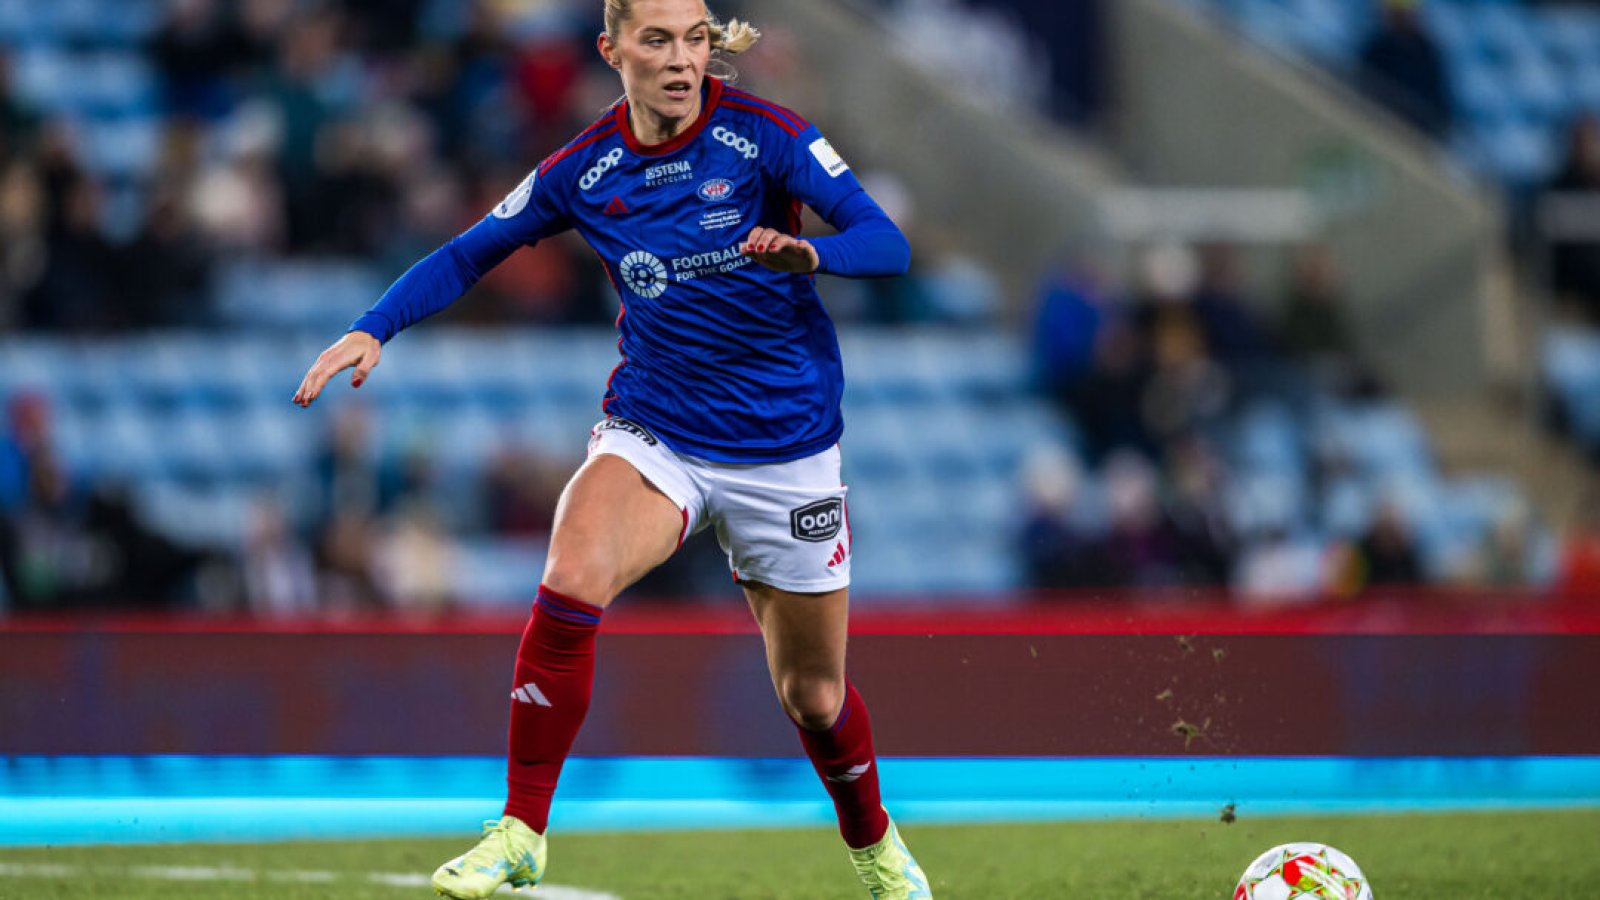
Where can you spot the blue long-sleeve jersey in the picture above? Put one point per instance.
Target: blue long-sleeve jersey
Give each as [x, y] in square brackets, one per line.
[722, 358]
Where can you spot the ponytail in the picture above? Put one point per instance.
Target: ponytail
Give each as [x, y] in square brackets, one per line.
[735, 36]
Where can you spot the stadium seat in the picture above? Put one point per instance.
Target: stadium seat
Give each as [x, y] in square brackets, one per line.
[1268, 440]
[1347, 505]
[1517, 71]
[496, 571]
[1262, 502]
[1479, 88]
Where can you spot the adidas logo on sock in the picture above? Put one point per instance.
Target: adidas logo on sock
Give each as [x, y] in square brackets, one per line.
[839, 555]
[530, 693]
[851, 774]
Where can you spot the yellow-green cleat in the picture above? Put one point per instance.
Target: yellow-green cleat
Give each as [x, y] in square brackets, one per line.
[888, 870]
[509, 853]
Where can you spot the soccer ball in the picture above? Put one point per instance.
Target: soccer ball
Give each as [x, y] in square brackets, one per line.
[1307, 871]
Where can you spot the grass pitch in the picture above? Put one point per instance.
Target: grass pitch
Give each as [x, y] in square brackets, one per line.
[1407, 857]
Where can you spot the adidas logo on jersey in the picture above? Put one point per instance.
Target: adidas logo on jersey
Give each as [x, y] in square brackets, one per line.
[616, 207]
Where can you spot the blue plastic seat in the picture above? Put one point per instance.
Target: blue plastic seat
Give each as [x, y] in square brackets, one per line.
[1261, 502]
[1347, 507]
[1267, 439]
[1480, 90]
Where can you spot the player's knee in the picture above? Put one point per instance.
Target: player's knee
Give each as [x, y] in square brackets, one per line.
[581, 580]
[813, 702]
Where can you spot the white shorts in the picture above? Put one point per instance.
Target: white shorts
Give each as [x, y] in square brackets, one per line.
[783, 524]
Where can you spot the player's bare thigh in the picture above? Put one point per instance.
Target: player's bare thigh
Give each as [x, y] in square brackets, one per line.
[805, 636]
[611, 527]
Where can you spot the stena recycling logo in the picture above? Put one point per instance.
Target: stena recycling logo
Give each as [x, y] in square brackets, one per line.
[644, 274]
[517, 199]
[741, 144]
[601, 166]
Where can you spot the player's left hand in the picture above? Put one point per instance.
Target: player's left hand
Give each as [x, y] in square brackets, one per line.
[781, 252]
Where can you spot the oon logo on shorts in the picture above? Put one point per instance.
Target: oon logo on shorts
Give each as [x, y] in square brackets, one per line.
[817, 522]
[644, 274]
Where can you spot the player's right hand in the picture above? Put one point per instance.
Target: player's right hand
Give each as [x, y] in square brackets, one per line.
[356, 348]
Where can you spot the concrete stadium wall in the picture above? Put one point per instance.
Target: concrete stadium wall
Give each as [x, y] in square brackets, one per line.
[1195, 105]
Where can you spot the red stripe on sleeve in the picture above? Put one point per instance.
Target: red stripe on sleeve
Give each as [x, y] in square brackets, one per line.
[763, 111]
[570, 149]
[784, 112]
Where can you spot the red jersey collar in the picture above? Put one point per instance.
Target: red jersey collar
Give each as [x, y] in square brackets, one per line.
[708, 105]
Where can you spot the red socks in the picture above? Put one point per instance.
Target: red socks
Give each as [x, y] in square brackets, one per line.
[554, 677]
[843, 758]
[550, 696]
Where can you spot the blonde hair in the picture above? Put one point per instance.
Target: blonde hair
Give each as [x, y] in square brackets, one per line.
[733, 36]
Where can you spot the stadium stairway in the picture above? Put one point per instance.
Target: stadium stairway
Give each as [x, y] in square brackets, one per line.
[1497, 435]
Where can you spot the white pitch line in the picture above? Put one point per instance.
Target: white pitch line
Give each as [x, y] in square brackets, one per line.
[407, 880]
[31, 870]
[192, 873]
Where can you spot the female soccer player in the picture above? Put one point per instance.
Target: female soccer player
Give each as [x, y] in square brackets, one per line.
[724, 410]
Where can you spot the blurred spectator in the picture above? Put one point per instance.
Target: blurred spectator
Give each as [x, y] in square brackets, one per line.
[1507, 556]
[144, 567]
[349, 479]
[1277, 568]
[1234, 333]
[1387, 554]
[259, 27]
[1141, 548]
[1108, 404]
[1402, 69]
[547, 75]
[22, 248]
[346, 564]
[65, 549]
[18, 122]
[1067, 320]
[78, 286]
[1316, 329]
[278, 576]
[194, 51]
[166, 268]
[239, 206]
[1187, 390]
[25, 444]
[520, 490]
[416, 560]
[312, 85]
[382, 26]
[1315, 324]
[430, 202]
[1197, 508]
[1575, 265]
[1058, 551]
